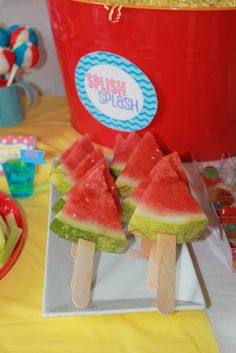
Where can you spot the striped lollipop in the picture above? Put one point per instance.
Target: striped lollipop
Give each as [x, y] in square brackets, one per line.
[27, 56]
[7, 59]
[20, 34]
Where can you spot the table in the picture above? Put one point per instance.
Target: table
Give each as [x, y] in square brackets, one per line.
[22, 327]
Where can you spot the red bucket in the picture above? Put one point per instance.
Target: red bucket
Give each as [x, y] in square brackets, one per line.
[188, 55]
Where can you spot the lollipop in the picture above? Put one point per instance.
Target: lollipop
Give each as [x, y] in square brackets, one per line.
[20, 34]
[7, 59]
[3, 38]
[27, 56]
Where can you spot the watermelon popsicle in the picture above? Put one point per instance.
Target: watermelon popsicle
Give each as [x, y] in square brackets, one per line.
[122, 151]
[167, 213]
[69, 160]
[145, 155]
[90, 218]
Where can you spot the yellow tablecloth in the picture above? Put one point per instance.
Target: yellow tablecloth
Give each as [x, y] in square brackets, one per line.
[22, 327]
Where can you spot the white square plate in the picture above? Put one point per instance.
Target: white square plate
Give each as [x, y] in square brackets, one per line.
[119, 280]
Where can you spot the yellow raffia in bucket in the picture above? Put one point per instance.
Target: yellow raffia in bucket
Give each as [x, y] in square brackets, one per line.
[172, 3]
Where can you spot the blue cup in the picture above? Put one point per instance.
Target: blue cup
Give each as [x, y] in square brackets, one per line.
[20, 177]
[12, 111]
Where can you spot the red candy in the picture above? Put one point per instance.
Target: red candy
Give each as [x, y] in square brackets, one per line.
[228, 215]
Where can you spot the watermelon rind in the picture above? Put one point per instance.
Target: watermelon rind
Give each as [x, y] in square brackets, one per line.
[147, 225]
[58, 205]
[129, 206]
[116, 169]
[126, 185]
[57, 177]
[63, 187]
[105, 239]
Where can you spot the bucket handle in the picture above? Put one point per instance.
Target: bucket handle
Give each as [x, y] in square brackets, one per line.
[115, 14]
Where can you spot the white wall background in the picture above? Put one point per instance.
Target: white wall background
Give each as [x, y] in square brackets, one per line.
[47, 75]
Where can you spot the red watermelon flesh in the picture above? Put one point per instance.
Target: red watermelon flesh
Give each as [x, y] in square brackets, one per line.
[89, 177]
[179, 200]
[81, 148]
[91, 205]
[110, 182]
[142, 160]
[167, 205]
[131, 202]
[175, 160]
[67, 151]
[87, 163]
[122, 152]
[118, 145]
[112, 188]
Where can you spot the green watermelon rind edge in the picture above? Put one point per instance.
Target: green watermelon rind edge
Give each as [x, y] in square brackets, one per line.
[126, 185]
[58, 205]
[185, 232]
[103, 243]
[63, 187]
[56, 177]
[129, 206]
[116, 169]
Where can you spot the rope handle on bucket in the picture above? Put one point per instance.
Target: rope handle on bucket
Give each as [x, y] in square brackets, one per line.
[115, 14]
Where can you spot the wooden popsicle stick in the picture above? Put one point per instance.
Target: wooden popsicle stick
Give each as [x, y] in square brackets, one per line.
[166, 263]
[73, 249]
[152, 266]
[82, 273]
[12, 74]
[145, 247]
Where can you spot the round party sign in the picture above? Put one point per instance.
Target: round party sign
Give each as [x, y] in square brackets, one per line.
[115, 91]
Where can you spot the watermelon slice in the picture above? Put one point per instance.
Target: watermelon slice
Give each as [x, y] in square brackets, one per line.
[83, 179]
[122, 151]
[175, 160]
[70, 158]
[142, 160]
[168, 206]
[68, 150]
[80, 149]
[91, 214]
[80, 170]
[131, 202]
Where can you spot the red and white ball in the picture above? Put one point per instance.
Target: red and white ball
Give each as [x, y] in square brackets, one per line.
[22, 34]
[7, 59]
[27, 55]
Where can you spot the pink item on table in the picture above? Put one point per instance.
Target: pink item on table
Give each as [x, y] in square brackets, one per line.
[7, 59]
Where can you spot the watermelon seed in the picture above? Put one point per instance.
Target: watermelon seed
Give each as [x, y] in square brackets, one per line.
[87, 199]
[74, 215]
[152, 157]
[92, 160]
